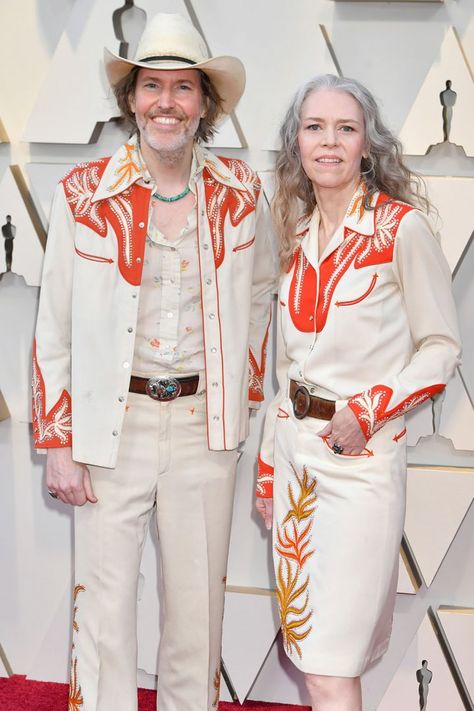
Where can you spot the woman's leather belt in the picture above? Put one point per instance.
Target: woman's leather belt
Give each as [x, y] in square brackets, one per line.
[307, 405]
[164, 389]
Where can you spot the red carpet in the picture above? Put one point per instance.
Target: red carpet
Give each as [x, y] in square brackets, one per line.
[19, 694]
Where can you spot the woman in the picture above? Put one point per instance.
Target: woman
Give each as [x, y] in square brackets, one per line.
[367, 331]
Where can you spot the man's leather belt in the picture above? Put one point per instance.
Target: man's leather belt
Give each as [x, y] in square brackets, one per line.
[307, 405]
[164, 389]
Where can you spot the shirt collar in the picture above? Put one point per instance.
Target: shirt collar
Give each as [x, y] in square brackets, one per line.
[127, 166]
[357, 219]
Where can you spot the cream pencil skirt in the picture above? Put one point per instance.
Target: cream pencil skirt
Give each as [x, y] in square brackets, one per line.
[338, 523]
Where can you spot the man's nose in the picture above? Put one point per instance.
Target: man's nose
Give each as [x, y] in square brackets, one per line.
[166, 98]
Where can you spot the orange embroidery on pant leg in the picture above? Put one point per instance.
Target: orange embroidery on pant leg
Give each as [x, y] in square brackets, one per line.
[217, 687]
[75, 701]
[293, 539]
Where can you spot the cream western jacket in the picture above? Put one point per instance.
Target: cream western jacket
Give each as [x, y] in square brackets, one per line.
[370, 322]
[91, 288]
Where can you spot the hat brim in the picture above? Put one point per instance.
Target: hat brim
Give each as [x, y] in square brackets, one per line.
[227, 74]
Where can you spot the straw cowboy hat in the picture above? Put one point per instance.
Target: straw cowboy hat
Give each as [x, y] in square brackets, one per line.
[172, 42]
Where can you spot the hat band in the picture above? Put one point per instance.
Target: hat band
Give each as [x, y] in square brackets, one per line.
[169, 58]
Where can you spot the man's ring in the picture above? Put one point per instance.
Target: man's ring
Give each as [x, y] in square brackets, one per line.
[337, 449]
[52, 494]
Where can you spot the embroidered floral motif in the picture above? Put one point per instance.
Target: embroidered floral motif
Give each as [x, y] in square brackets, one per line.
[256, 371]
[264, 479]
[125, 212]
[292, 545]
[80, 185]
[370, 407]
[53, 428]
[223, 200]
[303, 289]
[128, 167]
[75, 694]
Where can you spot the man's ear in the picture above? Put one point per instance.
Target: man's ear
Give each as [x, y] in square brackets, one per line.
[131, 101]
[205, 106]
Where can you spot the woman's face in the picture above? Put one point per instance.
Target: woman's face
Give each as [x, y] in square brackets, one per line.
[331, 139]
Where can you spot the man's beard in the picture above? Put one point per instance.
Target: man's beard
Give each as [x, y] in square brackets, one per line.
[170, 148]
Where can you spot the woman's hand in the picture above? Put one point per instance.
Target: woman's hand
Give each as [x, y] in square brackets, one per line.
[265, 509]
[344, 431]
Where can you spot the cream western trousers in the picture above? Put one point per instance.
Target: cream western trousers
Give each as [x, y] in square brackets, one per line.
[164, 471]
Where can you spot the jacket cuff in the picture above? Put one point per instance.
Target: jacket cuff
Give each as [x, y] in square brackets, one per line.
[51, 428]
[360, 413]
[264, 480]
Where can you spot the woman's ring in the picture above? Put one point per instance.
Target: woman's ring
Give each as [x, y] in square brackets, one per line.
[337, 449]
[52, 494]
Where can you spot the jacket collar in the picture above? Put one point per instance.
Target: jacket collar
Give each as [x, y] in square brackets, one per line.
[126, 167]
[357, 219]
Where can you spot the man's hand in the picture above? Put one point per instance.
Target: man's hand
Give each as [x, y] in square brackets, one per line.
[69, 480]
[344, 430]
[265, 509]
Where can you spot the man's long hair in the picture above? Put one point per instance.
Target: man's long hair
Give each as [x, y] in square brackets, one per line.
[124, 90]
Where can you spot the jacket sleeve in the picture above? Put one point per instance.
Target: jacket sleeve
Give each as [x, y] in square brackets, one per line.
[265, 459]
[424, 278]
[264, 283]
[52, 413]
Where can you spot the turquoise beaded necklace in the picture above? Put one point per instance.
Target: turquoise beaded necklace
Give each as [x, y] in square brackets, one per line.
[173, 198]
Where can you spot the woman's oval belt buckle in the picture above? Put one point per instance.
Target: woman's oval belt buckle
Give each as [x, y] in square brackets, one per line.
[301, 402]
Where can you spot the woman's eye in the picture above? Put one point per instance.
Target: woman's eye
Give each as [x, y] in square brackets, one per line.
[347, 129]
[313, 127]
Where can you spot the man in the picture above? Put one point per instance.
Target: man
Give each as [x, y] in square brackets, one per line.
[150, 343]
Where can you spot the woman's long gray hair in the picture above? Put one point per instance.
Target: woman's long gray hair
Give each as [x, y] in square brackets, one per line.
[383, 169]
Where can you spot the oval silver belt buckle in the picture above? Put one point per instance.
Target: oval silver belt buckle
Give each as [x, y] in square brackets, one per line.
[163, 389]
[301, 402]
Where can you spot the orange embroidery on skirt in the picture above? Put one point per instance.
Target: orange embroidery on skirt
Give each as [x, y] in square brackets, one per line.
[293, 539]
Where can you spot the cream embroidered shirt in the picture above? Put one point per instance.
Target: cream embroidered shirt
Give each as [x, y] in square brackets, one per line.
[169, 338]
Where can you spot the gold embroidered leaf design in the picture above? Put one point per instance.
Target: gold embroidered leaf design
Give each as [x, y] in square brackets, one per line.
[75, 694]
[303, 507]
[288, 593]
[294, 544]
[127, 169]
[77, 590]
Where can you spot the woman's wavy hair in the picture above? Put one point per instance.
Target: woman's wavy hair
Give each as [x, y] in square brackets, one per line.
[124, 89]
[382, 170]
